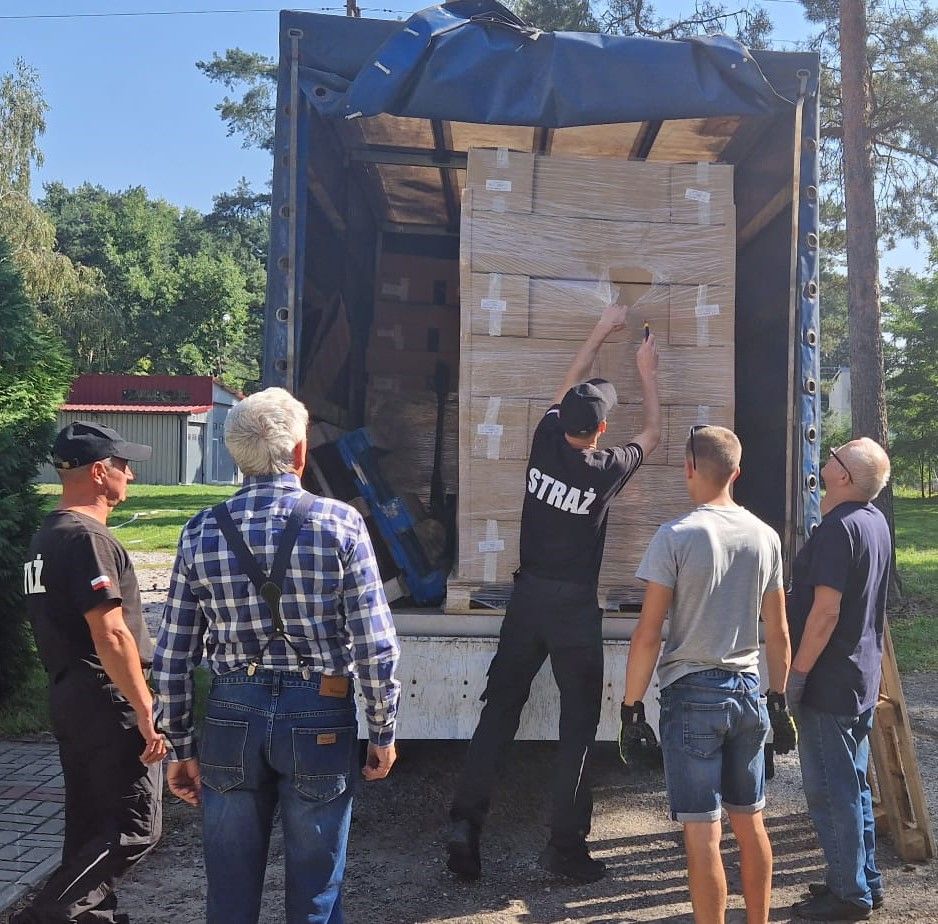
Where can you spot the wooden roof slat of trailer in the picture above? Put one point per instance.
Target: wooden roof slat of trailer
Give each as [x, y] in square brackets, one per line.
[683, 140]
[615, 140]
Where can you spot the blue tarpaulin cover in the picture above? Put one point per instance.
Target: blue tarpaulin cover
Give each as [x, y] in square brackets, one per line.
[475, 61]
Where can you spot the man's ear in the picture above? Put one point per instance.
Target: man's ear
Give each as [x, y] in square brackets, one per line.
[735, 474]
[299, 456]
[601, 429]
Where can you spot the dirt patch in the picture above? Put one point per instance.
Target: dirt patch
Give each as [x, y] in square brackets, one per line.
[396, 873]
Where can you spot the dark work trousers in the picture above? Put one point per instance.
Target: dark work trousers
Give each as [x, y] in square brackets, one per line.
[563, 621]
[113, 803]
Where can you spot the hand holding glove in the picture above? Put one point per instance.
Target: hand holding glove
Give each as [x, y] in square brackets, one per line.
[784, 733]
[638, 746]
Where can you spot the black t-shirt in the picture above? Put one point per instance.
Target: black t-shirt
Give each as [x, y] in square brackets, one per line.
[566, 503]
[850, 551]
[74, 565]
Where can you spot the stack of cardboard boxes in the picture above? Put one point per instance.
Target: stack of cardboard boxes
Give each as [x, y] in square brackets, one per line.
[546, 244]
[415, 330]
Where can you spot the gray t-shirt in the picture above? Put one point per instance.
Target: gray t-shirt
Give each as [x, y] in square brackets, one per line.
[719, 561]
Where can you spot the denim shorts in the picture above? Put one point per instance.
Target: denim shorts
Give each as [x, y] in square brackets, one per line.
[713, 727]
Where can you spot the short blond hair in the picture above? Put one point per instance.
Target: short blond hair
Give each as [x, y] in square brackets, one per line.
[262, 431]
[868, 465]
[718, 452]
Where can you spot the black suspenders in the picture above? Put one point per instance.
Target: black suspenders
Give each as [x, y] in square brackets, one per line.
[270, 587]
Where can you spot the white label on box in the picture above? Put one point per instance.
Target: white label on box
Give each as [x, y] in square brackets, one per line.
[698, 195]
[397, 290]
[493, 304]
[489, 429]
[498, 185]
[492, 545]
[706, 311]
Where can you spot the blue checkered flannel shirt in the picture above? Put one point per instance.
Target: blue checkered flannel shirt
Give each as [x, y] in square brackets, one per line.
[333, 605]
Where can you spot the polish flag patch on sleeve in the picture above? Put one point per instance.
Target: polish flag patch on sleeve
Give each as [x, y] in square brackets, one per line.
[101, 582]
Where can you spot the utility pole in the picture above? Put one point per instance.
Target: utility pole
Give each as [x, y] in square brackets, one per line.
[351, 9]
[867, 378]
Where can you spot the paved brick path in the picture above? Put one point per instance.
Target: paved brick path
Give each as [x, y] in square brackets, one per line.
[31, 816]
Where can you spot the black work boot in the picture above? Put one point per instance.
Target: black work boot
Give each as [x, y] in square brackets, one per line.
[822, 888]
[462, 847]
[829, 907]
[573, 863]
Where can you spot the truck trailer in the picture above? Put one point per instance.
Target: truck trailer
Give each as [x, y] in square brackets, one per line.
[375, 123]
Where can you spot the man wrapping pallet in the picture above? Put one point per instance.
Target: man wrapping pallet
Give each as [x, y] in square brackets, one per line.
[553, 608]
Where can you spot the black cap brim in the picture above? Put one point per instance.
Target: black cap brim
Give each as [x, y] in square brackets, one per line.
[133, 452]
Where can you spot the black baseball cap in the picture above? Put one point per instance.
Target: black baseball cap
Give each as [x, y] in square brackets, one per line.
[586, 406]
[81, 443]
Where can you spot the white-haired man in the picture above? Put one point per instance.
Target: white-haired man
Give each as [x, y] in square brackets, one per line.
[837, 613]
[282, 590]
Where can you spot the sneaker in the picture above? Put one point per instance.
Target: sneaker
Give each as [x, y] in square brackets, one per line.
[462, 847]
[575, 864]
[822, 888]
[830, 908]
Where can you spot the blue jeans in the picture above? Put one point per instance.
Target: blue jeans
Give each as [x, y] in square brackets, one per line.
[274, 739]
[835, 753]
[713, 727]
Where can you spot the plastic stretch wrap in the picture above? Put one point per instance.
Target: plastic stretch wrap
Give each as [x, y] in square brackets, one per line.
[405, 426]
[547, 243]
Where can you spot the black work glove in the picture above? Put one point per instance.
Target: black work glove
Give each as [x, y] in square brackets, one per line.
[784, 733]
[638, 746]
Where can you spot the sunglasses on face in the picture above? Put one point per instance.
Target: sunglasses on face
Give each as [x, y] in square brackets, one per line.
[693, 448]
[840, 462]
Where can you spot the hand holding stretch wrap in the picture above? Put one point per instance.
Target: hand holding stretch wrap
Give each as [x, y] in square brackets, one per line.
[784, 733]
[638, 746]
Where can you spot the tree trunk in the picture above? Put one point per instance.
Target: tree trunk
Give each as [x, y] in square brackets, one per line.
[867, 378]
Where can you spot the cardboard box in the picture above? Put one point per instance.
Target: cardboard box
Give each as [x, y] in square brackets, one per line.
[682, 417]
[501, 180]
[488, 551]
[626, 421]
[421, 328]
[584, 248]
[499, 428]
[702, 194]
[417, 280]
[701, 315]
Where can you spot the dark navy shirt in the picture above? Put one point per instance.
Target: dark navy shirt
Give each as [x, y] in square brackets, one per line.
[566, 503]
[850, 551]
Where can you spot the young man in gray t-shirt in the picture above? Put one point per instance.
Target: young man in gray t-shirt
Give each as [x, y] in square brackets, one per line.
[716, 569]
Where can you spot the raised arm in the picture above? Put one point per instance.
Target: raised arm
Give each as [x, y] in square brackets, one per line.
[647, 362]
[613, 318]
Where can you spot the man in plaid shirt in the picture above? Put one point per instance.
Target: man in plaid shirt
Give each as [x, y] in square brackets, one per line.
[280, 725]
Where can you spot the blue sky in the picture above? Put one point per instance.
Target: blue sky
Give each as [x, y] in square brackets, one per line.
[128, 107]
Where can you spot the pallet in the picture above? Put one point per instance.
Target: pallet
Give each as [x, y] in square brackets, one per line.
[466, 599]
[899, 805]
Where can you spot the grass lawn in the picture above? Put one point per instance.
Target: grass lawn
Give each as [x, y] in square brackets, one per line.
[914, 625]
[152, 517]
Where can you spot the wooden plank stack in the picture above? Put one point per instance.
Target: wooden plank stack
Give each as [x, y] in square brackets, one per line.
[546, 244]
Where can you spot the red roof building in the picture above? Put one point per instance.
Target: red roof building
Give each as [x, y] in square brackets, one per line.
[181, 416]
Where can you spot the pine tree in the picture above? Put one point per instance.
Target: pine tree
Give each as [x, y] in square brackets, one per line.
[34, 378]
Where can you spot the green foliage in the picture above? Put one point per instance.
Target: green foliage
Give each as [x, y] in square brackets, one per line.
[251, 116]
[34, 378]
[557, 15]
[911, 357]
[751, 25]
[181, 293]
[50, 279]
[903, 72]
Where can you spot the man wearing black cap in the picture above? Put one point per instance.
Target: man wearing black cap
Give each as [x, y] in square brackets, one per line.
[84, 605]
[553, 608]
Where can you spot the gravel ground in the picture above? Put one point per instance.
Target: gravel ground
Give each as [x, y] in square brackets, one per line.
[396, 873]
